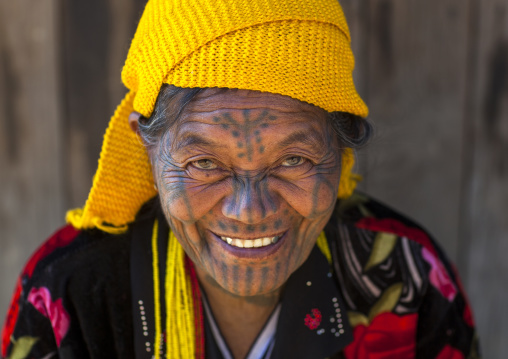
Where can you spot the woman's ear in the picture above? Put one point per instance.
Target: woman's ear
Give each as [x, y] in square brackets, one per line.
[134, 121]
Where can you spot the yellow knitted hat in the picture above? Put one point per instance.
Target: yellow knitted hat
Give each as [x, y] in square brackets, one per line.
[297, 48]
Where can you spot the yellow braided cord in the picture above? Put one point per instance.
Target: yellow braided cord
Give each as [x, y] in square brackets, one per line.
[156, 291]
[322, 244]
[180, 337]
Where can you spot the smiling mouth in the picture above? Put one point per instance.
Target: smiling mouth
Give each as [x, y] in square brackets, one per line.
[251, 243]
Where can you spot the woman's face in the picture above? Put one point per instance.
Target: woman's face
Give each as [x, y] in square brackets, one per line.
[247, 181]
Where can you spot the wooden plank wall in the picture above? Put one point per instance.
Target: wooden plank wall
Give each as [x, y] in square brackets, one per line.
[434, 73]
[485, 205]
[31, 181]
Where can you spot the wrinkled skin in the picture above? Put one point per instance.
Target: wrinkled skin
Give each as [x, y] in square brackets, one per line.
[245, 164]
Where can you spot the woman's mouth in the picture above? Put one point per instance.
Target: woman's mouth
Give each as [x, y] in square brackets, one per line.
[251, 243]
[253, 247]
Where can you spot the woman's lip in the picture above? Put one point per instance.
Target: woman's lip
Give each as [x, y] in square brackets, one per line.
[250, 237]
[254, 252]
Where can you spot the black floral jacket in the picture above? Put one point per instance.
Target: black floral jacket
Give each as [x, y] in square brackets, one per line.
[402, 298]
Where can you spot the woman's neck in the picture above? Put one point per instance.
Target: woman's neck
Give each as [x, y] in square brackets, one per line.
[240, 319]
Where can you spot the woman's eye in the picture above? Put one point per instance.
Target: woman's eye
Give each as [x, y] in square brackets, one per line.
[293, 161]
[205, 164]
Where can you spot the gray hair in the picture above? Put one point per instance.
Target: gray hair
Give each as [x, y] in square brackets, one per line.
[352, 131]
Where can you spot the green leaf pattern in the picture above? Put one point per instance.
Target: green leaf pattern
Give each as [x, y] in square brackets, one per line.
[22, 347]
[381, 249]
[385, 303]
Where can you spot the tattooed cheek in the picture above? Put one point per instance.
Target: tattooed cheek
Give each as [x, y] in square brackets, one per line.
[326, 204]
[178, 207]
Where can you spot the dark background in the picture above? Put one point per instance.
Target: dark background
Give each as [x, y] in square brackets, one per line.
[434, 74]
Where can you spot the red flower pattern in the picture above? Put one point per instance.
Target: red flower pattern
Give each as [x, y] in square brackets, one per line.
[467, 316]
[61, 238]
[449, 352]
[393, 226]
[388, 336]
[313, 321]
[40, 298]
[10, 321]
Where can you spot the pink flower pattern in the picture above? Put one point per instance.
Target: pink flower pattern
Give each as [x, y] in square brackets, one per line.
[439, 277]
[40, 298]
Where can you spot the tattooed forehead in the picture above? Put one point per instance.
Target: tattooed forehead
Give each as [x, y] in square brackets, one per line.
[248, 126]
[250, 132]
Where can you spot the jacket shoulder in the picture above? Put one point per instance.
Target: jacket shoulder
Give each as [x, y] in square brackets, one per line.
[364, 212]
[396, 279]
[52, 300]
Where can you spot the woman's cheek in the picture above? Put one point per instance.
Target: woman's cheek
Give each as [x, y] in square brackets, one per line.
[311, 197]
[324, 194]
[192, 199]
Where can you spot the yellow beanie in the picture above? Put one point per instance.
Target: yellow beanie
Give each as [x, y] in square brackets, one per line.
[297, 48]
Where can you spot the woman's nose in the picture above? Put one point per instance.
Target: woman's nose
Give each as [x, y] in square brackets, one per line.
[250, 202]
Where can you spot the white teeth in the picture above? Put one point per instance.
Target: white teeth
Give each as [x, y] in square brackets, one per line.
[251, 243]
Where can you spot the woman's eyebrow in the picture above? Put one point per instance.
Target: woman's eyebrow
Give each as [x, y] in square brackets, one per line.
[193, 139]
[310, 138]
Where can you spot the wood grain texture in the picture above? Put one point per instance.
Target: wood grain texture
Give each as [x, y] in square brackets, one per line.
[96, 38]
[357, 15]
[484, 219]
[60, 81]
[417, 62]
[31, 204]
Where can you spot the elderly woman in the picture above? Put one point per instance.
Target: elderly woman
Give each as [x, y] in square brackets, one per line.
[222, 221]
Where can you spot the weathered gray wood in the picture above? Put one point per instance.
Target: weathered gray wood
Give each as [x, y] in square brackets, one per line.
[31, 205]
[485, 215]
[416, 67]
[97, 35]
[357, 15]
[87, 32]
[60, 81]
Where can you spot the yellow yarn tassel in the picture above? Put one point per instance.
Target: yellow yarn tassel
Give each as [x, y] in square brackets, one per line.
[75, 217]
[322, 244]
[180, 336]
[156, 291]
[348, 179]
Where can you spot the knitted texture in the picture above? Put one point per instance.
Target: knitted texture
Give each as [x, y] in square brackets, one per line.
[290, 47]
[297, 48]
[123, 181]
